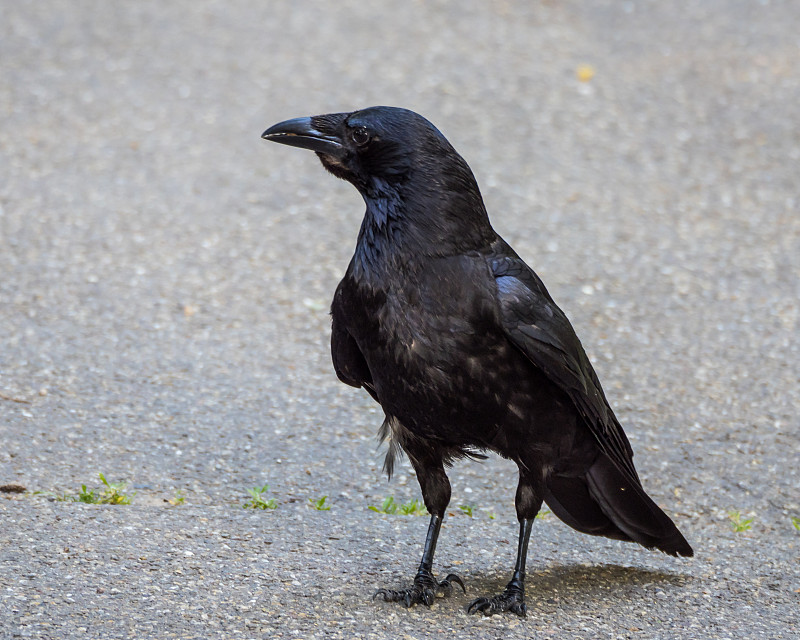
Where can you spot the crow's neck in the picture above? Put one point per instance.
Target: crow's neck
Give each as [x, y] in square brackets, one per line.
[377, 247]
[406, 225]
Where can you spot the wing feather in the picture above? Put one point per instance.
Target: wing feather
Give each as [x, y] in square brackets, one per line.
[348, 361]
[538, 328]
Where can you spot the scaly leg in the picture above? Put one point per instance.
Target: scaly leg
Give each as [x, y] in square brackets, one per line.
[513, 598]
[528, 502]
[425, 587]
[436, 494]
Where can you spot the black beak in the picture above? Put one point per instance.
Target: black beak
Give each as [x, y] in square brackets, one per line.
[301, 132]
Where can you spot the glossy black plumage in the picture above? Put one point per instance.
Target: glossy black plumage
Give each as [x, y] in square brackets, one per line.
[458, 340]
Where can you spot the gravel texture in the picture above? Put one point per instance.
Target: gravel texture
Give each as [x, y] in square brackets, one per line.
[165, 277]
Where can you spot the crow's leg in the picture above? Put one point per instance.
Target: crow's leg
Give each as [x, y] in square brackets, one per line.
[528, 502]
[425, 587]
[513, 598]
[436, 494]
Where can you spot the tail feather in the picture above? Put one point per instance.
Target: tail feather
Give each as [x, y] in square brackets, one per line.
[569, 499]
[627, 505]
[608, 502]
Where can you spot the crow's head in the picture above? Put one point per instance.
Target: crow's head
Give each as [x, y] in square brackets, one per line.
[404, 168]
[384, 143]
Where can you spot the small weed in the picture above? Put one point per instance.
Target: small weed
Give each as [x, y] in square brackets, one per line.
[411, 508]
[466, 509]
[86, 495]
[389, 506]
[319, 504]
[796, 522]
[111, 494]
[257, 500]
[737, 523]
[178, 499]
[543, 513]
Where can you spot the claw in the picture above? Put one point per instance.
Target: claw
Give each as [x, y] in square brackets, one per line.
[479, 604]
[508, 601]
[382, 592]
[453, 578]
[423, 591]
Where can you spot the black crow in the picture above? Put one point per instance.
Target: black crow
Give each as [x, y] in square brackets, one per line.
[458, 340]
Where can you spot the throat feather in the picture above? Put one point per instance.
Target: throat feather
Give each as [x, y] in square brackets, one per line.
[380, 231]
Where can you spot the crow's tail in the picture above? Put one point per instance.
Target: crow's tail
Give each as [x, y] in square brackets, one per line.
[608, 502]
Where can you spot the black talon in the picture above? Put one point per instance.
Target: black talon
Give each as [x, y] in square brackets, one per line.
[423, 591]
[511, 599]
[478, 604]
[425, 587]
[446, 585]
[454, 578]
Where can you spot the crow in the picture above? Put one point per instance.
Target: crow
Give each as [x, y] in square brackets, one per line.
[458, 340]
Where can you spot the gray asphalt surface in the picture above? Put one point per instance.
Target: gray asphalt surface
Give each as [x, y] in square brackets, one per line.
[165, 277]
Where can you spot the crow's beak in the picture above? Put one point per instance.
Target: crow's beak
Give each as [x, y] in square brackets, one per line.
[301, 132]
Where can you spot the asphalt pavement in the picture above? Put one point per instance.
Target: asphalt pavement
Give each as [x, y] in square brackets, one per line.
[165, 277]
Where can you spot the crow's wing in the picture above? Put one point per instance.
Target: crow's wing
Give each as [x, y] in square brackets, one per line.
[348, 361]
[538, 328]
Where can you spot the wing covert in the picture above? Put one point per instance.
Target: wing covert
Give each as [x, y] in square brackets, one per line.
[348, 361]
[541, 330]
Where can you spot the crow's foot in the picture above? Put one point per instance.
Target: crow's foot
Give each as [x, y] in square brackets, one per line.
[512, 599]
[424, 590]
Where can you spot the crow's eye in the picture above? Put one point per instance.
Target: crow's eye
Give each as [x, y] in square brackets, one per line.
[360, 136]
